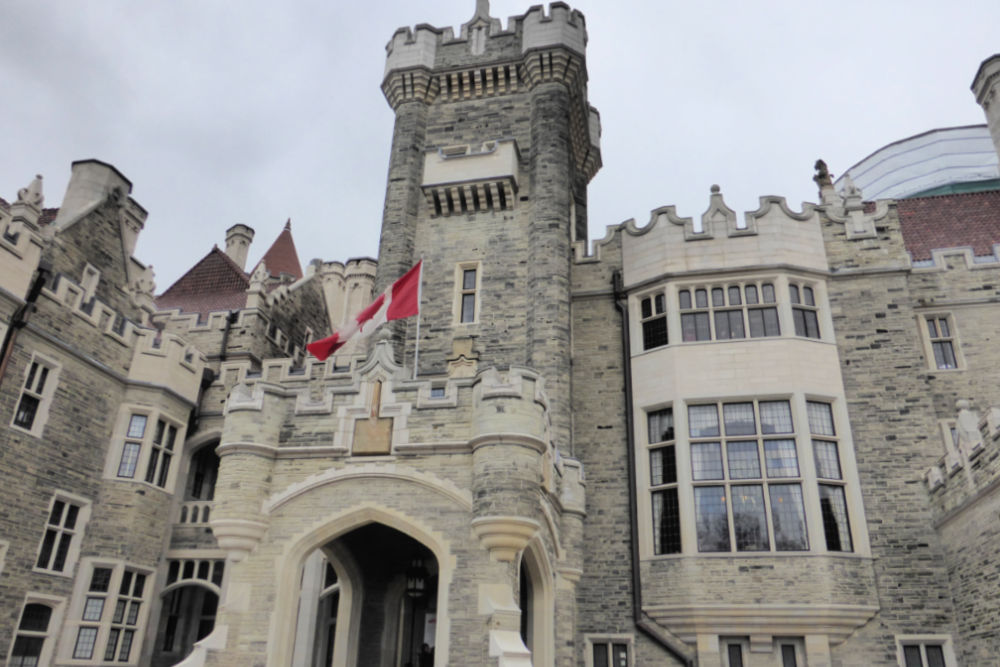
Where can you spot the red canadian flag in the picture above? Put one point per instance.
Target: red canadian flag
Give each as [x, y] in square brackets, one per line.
[402, 299]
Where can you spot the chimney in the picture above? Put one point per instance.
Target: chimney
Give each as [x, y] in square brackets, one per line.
[238, 239]
[986, 88]
[90, 183]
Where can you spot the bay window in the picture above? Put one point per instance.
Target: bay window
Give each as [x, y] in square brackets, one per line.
[735, 477]
[728, 312]
[745, 471]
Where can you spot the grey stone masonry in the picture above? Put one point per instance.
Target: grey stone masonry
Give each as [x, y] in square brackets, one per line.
[896, 434]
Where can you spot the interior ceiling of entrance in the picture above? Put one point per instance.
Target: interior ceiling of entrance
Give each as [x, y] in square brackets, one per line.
[380, 548]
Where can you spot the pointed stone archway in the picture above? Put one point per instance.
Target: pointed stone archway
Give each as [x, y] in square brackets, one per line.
[379, 621]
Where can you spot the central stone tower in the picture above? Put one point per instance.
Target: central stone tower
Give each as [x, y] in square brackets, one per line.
[493, 147]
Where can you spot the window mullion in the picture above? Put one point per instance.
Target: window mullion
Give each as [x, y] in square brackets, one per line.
[807, 471]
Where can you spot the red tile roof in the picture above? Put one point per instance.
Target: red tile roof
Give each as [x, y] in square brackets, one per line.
[215, 283]
[281, 257]
[47, 216]
[950, 221]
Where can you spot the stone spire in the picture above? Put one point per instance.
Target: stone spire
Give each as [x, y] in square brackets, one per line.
[482, 9]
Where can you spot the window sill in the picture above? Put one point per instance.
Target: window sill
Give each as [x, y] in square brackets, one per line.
[758, 555]
[760, 339]
[54, 573]
[34, 432]
[139, 482]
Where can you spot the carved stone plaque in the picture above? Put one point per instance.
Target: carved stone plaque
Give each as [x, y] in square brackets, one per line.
[374, 434]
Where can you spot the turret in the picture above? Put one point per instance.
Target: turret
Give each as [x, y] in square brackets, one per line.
[238, 240]
[475, 180]
[986, 87]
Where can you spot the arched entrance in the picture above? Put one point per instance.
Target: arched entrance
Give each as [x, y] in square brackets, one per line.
[536, 601]
[368, 597]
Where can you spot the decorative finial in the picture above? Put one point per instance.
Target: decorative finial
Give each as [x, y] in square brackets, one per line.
[32, 194]
[850, 189]
[483, 8]
[288, 224]
[823, 177]
[716, 189]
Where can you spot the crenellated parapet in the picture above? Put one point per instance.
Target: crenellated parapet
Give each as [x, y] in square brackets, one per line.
[78, 298]
[561, 27]
[168, 361]
[347, 287]
[969, 470]
[372, 419]
[429, 65]
[21, 239]
[772, 235]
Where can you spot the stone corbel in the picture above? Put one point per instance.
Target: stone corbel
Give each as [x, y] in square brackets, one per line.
[238, 537]
[504, 536]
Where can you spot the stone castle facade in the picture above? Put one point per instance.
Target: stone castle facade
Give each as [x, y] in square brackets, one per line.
[767, 439]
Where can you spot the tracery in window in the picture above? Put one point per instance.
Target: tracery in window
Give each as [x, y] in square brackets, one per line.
[728, 312]
[939, 331]
[31, 634]
[757, 504]
[62, 533]
[36, 395]
[148, 449]
[804, 311]
[832, 498]
[109, 626]
[663, 482]
[654, 321]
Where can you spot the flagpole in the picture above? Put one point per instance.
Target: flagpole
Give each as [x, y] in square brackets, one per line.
[416, 345]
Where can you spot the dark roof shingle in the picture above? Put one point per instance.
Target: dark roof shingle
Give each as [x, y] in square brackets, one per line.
[215, 283]
[282, 257]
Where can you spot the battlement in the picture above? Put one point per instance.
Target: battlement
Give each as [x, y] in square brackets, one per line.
[418, 47]
[21, 243]
[512, 403]
[91, 310]
[773, 234]
[347, 288]
[215, 323]
[167, 360]
[562, 26]
[963, 473]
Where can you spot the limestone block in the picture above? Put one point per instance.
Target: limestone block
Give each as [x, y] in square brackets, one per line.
[409, 48]
[490, 161]
[562, 27]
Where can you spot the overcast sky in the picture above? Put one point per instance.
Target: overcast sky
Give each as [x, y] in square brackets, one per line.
[256, 111]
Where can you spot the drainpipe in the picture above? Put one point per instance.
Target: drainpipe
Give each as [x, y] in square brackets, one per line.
[21, 316]
[646, 626]
[230, 321]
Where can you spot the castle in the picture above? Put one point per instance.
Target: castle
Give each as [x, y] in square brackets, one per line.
[767, 439]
